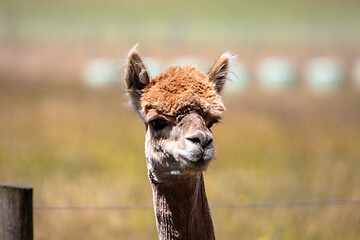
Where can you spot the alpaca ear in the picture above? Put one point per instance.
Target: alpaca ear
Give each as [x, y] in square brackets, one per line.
[219, 72]
[136, 78]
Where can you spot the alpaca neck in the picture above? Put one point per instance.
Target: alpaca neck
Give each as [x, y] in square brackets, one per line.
[181, 209]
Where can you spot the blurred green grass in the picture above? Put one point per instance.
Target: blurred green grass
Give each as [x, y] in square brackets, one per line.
[192, 22]
[80, 146]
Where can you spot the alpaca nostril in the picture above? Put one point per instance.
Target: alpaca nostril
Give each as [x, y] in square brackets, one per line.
[194, 140]
[200, 138]
[209, 142]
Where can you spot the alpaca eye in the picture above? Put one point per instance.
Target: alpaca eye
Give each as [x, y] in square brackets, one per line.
[158, 124]
[212, 123]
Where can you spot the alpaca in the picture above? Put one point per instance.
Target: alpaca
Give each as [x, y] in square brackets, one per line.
[178, 108]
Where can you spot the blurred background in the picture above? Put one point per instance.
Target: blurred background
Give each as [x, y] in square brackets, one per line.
[291, 132]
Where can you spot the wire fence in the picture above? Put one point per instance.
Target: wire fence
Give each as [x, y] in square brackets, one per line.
[213, 206]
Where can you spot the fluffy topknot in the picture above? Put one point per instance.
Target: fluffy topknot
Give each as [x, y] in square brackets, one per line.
[180, 89]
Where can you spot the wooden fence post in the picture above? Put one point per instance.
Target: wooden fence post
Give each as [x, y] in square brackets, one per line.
[16, 212]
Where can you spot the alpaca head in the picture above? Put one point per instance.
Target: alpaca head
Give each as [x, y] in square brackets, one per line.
[178, 108]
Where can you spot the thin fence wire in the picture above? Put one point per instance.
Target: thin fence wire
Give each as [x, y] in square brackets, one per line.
[213, 206]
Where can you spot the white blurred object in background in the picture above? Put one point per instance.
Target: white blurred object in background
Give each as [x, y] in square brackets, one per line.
[239, 78]
[153, 66]
[324, 75]
[276, 73]
[197, 62]
[100, 72]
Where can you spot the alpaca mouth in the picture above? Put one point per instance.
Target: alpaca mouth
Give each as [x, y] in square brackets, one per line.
[198, 166]
[195, 161]
[183, 166]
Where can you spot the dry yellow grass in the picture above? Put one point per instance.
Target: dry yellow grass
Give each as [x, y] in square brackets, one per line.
[84, 147]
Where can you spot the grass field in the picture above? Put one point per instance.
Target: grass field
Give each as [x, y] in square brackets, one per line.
[83, 147]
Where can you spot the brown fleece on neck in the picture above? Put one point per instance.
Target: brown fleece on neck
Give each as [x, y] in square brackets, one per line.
[180, 89]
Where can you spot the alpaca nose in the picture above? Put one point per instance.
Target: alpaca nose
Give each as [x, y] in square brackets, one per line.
[200, 137]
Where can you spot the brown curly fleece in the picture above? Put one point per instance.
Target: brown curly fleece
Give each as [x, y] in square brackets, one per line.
[180, 89]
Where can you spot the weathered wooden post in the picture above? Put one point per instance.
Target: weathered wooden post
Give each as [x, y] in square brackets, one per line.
[16, 212]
